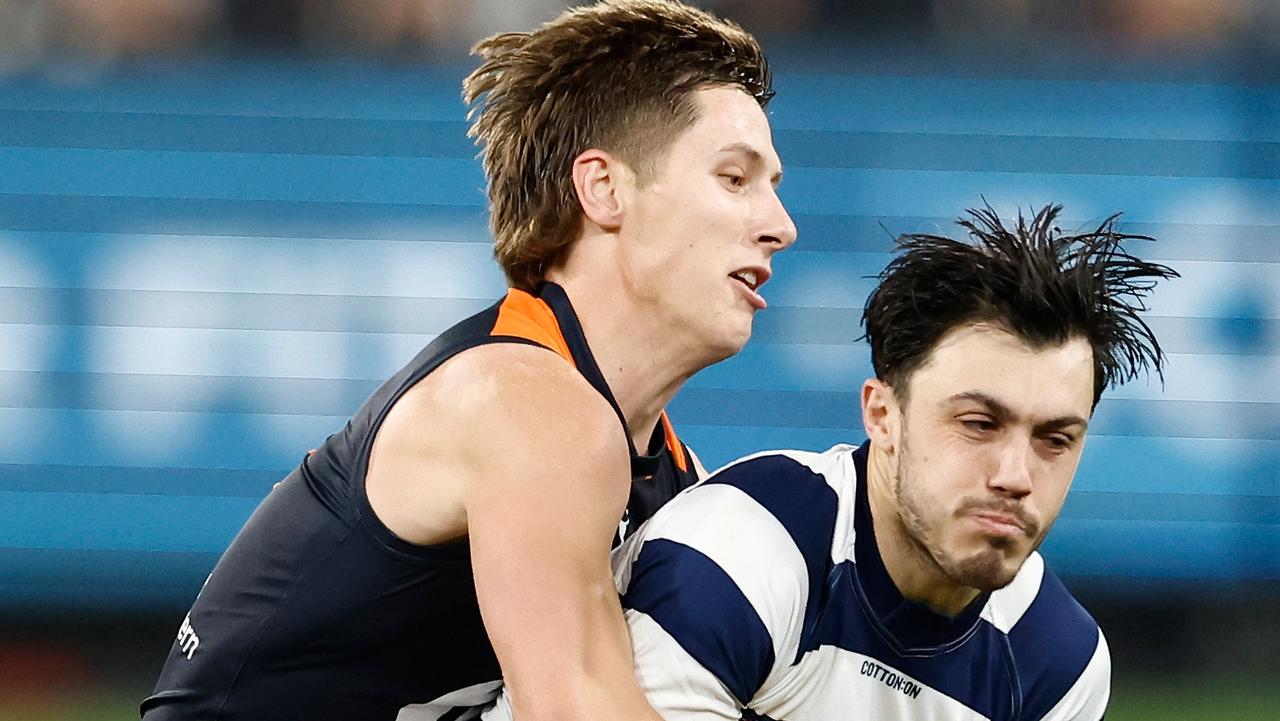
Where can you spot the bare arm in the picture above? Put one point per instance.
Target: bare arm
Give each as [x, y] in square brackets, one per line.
[548, 477]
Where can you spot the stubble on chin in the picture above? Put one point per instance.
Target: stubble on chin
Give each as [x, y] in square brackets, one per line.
[984, 570]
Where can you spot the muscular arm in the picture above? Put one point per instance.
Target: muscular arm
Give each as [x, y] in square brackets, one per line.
[533, 466]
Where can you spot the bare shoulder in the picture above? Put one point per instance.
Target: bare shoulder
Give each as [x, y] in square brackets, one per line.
[517, 371]
[481, 418]
[522, 390]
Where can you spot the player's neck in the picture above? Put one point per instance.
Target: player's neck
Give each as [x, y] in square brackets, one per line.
[910, 567]
[634, 352]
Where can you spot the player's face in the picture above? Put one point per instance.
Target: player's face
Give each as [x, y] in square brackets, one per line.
[702, 229]
[989, 443]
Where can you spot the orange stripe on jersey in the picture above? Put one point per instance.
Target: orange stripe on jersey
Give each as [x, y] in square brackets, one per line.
[673, 443]
[523, 316]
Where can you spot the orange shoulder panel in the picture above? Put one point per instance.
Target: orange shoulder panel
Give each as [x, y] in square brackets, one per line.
[523, 316]
[673, 443]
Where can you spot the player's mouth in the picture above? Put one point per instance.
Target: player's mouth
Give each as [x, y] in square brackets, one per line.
[749, 281]
[1004, 525]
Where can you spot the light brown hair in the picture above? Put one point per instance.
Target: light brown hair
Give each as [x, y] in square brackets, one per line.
[617, 75]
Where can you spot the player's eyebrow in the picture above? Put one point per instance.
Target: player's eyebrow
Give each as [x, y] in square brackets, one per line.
[1061, 422]
[1005, 413]
[754, 157]
[996, 408]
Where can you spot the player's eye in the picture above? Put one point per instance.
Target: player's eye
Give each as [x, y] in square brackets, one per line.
[979, 425]
[1058, 442]
[734, 180]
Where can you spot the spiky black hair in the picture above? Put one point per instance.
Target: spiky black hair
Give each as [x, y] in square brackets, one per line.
[1039, 283]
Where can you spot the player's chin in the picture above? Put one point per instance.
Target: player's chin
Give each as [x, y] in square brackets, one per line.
[728, 335]
[989, 569]
[736, 337]
[720, 350]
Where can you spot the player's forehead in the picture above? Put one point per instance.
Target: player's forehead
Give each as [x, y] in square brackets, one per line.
[986, 365]
[730, 124]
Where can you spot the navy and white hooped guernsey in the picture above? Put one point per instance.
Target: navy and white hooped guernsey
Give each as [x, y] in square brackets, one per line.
[760, 594]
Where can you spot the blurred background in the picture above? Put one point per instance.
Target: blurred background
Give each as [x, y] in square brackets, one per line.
[224, 222]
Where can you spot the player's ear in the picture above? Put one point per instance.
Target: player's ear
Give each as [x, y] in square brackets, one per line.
[596, 177]
[880, 414]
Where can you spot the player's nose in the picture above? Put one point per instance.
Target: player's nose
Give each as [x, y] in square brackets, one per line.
[776, 227]
[1012, 475]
